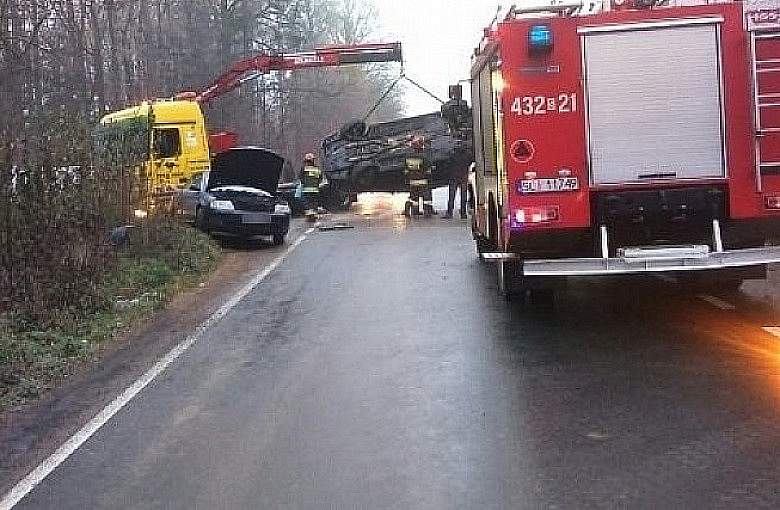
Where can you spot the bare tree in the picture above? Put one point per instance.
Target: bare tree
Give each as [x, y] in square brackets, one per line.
[65, 63]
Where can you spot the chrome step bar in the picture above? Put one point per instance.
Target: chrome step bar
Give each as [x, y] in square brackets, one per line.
[636, 265]
[594, 267]
[646, 259]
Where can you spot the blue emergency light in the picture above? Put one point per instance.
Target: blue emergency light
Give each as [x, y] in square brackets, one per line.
[540, 38]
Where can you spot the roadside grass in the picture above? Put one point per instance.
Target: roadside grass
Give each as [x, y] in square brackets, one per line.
[161, 259]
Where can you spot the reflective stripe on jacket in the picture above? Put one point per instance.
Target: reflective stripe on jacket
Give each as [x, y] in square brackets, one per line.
[311, 178]
[416, 169]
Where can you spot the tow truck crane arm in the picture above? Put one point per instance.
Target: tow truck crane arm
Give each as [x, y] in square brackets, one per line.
[329, 56]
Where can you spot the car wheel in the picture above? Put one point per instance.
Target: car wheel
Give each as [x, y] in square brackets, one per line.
[278, 239]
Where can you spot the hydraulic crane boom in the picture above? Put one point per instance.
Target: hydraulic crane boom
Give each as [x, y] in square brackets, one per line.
[330, 56]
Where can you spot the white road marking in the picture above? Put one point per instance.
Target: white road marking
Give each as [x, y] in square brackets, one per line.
[716, 302]
[773, 330]
[36, 476]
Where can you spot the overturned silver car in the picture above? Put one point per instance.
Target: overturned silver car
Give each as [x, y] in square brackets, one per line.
[365, 158]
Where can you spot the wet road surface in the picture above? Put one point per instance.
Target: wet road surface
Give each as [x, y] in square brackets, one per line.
[377, 367]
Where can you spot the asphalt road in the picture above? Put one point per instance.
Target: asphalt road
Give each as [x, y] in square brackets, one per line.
[376, 367]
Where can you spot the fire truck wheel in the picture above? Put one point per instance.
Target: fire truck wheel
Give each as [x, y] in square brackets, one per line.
[200, 220]
[492, 223]
[509, 279]
[278, 239]
[479, 243]
[482, 244]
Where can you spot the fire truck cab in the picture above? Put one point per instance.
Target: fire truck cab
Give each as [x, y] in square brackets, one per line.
[628, 138]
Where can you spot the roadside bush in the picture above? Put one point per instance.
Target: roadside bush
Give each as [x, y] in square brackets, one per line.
[162, 257]
[184, 250]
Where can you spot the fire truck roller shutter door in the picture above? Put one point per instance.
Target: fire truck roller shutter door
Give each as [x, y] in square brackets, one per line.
[654, 103]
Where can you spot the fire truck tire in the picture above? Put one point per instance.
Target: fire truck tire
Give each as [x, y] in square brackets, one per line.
[505, 282]
[200, 220]
[492, 222]
[482, 243]
[510, 281]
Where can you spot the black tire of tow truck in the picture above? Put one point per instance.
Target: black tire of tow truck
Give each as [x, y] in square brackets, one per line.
[278, 239]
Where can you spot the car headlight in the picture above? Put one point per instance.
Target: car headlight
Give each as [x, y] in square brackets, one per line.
[282, 209]
[222, 205]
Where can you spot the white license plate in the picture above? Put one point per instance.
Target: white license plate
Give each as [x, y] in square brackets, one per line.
[256, 218]
[547, 185]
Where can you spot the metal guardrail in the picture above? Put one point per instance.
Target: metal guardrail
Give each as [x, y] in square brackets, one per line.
[635, 265]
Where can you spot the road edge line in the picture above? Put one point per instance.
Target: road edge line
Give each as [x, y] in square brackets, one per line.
[45, 468]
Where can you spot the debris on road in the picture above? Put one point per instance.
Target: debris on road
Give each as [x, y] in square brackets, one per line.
[328, 227]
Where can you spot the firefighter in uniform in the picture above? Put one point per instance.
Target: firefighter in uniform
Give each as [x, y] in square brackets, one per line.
[418, 177]
[311, 179]
[460, 179]
[458, 116]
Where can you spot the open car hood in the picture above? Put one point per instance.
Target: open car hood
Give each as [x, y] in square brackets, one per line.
[246, 166]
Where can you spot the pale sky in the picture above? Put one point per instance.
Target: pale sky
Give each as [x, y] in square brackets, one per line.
[438, 38]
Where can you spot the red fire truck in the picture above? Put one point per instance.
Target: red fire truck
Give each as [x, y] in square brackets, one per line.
[634, 137]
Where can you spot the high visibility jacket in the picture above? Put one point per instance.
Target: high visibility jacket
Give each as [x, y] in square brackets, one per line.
[311, 178]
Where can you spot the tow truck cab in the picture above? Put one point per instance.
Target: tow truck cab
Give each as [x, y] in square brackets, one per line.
[166, 137]
[630, 140]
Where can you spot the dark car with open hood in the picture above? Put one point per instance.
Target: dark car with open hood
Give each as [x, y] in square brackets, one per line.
[238, 196]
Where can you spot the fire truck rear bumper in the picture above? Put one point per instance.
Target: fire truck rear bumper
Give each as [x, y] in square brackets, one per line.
[634, 265]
